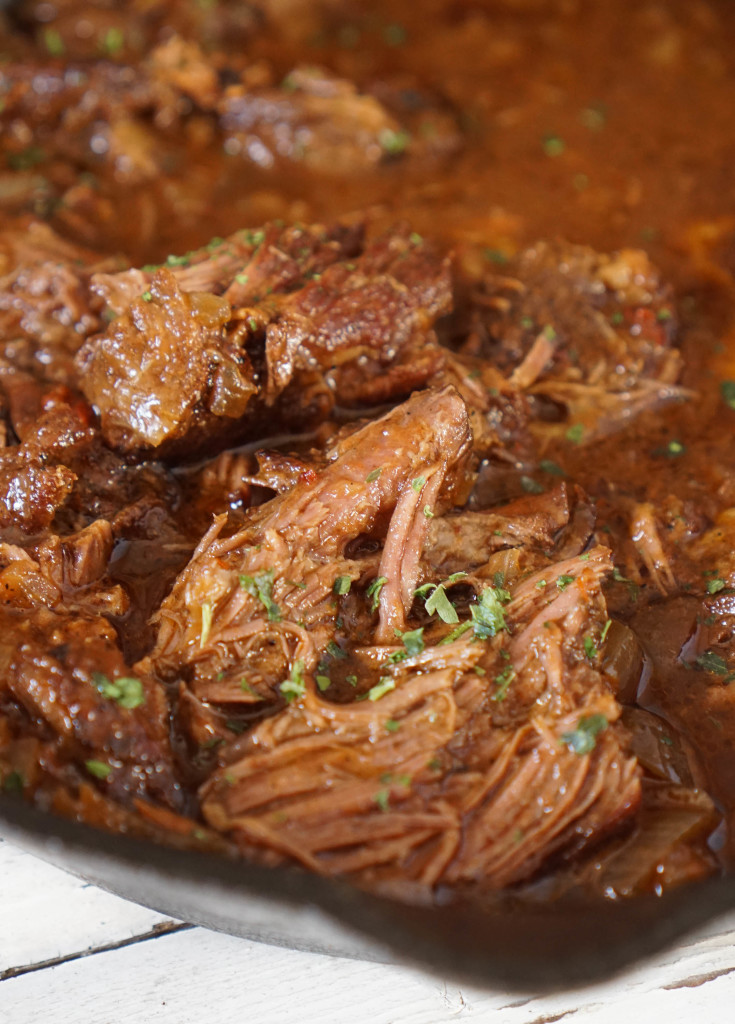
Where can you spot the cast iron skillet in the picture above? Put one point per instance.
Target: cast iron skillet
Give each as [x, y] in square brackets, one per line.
[530, 948]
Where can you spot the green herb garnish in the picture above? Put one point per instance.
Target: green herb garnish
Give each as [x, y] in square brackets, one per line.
[374, 590]
[715, 586]
[547, 466]
[385, 685]
[126, 690]
[394, 143]
[553, 145]
[53, 42]
[294, 686]
[531, 486]
[382, 798]
[260, 586]
[436, 600]
[583, 739]
[727, 390]
[13, 783]
[99, 769]
[488, 616]
[503, 681]
[342, 585]
[712, 662]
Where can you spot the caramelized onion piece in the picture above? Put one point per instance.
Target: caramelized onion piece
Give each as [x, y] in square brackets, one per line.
[624, 662]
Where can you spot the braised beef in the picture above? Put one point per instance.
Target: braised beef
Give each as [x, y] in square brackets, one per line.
[350, 516]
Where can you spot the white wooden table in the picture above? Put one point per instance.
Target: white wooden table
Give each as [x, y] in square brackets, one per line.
[73, 954]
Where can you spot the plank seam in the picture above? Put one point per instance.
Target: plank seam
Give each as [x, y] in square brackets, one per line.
[41, 965]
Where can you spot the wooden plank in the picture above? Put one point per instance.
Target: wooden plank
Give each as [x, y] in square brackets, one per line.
[188, 977]
[47, 913]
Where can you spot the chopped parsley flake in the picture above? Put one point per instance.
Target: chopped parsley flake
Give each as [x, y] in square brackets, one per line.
[113, 41]
[53, 42]
[547, 466]
[394, 35]
[531, 486]
[575, 433]
[382, 799]
[715, 586]
[712, 662]
[294, 686]
[605, 630]
[583, 739]
[13, 783]
[418, 483]
[146, 296]
[495, 256]
[373, 476]
[593, 117]
[564, 580]
[126, 690]
[727, 390]
[456, 633]
[436, 600]
[342, 585]
[394, 143]
[335, 650]
[247, 688]
[323, 682]
[590, 648]
[488, 617]
[26, 159]
[385, 685]
[99, 769]
[241, 278]
[553, 145]
[373, 591]
[392, 725]
[428, 513]
[503, 681]
[413, 644]
[260, 586]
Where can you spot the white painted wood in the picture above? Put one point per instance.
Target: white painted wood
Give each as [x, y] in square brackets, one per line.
[196, 976]
[45, 913]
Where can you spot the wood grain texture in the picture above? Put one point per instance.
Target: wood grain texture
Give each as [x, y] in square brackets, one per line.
[194, 976]
[46, 913]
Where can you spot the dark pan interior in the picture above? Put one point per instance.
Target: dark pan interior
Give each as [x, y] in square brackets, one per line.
[535, 949]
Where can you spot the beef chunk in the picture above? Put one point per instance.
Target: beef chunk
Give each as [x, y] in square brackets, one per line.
[327, 125]
[588, 332]
[45, 298]
[262, 588]
[161, 361]
[69, 673]
[438, 777]
[310, 327]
